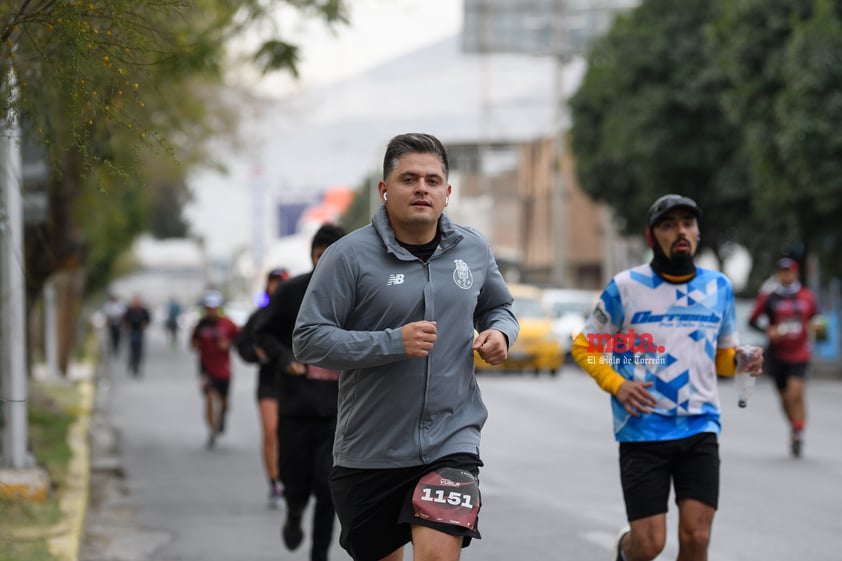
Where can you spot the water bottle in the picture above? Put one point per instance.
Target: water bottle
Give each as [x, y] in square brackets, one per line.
[820, 329]
[744, 377]
[745, 385]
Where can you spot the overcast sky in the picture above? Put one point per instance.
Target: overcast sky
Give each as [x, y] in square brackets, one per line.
[379, 30]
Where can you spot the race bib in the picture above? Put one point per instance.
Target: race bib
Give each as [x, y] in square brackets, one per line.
[316, 373]
[448, 496]
[790, 328]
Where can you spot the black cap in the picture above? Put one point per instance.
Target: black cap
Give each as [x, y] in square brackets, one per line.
[787, 264]
[279, 273]
[669, 202]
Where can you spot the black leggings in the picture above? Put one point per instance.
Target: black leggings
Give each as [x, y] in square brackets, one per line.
[305, 448]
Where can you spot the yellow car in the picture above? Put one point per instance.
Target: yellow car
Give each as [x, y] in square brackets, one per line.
[537, 347]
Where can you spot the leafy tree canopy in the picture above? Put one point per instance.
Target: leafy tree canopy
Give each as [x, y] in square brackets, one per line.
[732, 103]
[122, 95]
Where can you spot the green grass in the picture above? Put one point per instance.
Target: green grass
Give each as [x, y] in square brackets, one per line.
[36, 551]
[25, 526]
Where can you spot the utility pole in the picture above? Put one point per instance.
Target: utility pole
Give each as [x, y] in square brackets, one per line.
[13, 327]
[558, 200]
[258, 207]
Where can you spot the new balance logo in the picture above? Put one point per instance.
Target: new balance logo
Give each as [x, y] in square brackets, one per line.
[395, 279]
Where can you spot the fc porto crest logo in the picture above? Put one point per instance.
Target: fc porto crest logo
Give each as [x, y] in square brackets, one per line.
[462, 275]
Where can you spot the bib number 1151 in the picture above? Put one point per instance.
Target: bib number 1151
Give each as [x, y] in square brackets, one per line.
[453, 497]
[448, 496]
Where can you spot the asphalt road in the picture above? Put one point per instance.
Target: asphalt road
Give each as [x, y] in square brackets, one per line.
[550, 485]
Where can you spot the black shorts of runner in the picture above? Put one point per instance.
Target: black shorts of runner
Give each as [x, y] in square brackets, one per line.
[646, 469]
[267, 384]
[375, 507]
[220, 387]
[781, 371]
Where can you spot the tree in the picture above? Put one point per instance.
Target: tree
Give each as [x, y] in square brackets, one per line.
[129, 75]
[647, 120]
[810, 138]
[782, 59]
[733, 103]
[108, 87]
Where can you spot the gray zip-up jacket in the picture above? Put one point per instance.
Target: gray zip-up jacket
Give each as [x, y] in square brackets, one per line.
[396, 411]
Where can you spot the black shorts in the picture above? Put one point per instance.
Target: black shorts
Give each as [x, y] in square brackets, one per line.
[267, 384]
[375, 506]
[220, 387]
[781, 371]
[646, 469]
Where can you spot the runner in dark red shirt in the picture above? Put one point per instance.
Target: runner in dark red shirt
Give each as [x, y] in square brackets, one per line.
[212, 338]
[789, 309]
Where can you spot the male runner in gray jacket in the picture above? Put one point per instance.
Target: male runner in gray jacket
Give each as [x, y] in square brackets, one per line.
[394, 306]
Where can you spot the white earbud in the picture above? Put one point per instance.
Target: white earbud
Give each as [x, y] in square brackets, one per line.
[447, 200]
[385, 198]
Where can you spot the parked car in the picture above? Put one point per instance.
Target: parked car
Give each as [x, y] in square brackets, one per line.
[536, 348]
[568, 309]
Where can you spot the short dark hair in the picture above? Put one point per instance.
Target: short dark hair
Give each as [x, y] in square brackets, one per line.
[413, 143]
[326, 235]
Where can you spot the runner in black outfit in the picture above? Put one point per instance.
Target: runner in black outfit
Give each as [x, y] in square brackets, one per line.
[306, 411]
[267, 388]
[136, 319]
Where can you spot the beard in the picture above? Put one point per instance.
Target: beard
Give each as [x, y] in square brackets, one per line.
[677, 263]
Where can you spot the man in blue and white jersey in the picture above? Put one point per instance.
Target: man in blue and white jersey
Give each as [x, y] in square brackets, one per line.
[655, 341]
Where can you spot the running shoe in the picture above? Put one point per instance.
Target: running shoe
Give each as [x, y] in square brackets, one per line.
[211, 441]
[292, 533]
[795, 444]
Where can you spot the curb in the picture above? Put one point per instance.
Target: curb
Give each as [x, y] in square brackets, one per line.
[31, 484]
[73, 498]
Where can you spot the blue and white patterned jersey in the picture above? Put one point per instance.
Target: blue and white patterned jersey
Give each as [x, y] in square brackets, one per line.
[651, 330]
